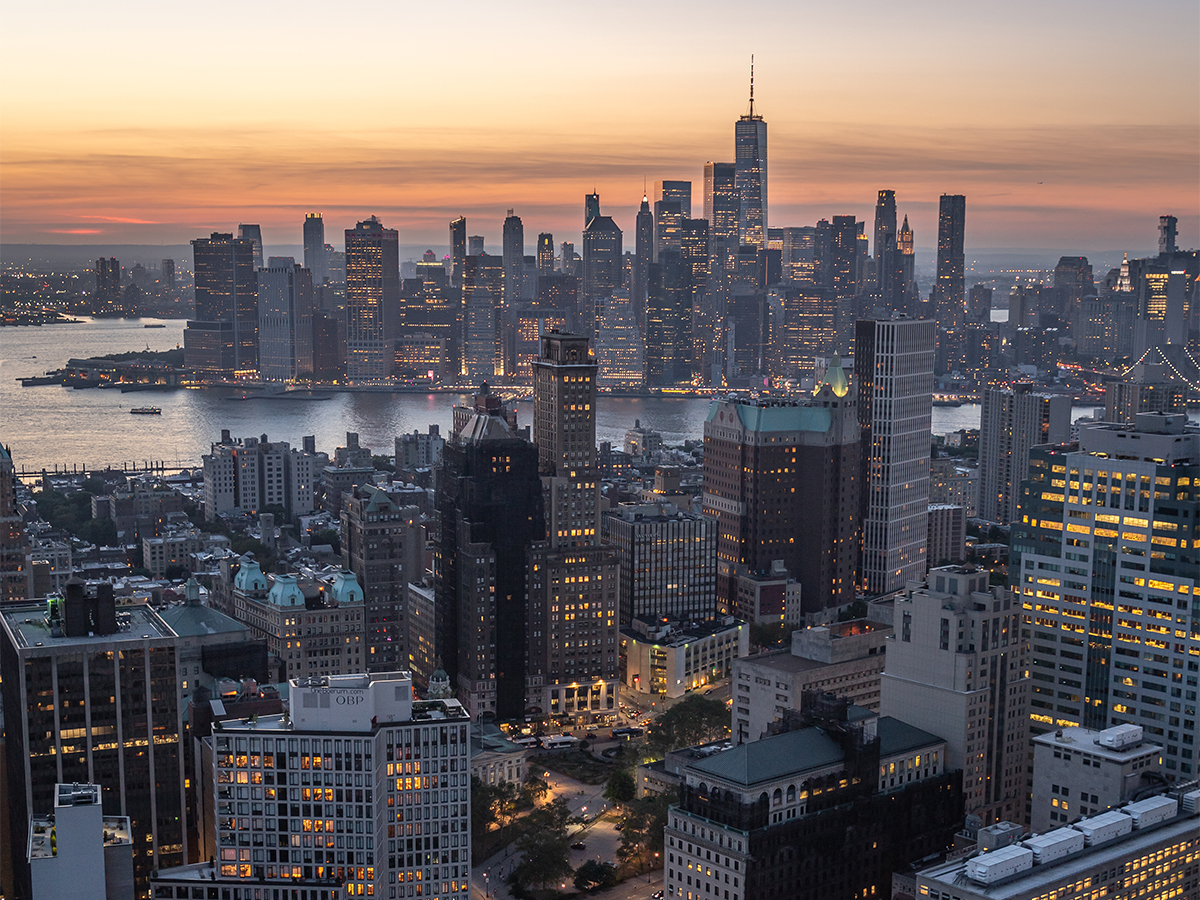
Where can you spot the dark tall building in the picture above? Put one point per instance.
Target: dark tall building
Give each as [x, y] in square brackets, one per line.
[253, 234]
[841, 271]
[750, 146]
[1168, 230]
[458, 249]
[545, 254]
[948, 292]
[514, 256]
[668, 322]
[591, 208]
[668, 226]
[108, 281]
[906, 260]
[92, 696]
[226, 292]
[13, 586]
[782, 478]
[573, 624]
[888, 277]
[643, 256]
[697, 263]
[383, 544]
[602, 269]
[489, 513]
[167, 279]
[372, 285]
[316, 259]
[676, 192]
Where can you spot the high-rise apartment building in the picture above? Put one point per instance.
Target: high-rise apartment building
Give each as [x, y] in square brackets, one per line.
[619, 346]
[668, 227]
[782, 479]
[226, 293]
[949, 289]
[383, 544]
[676, 192]
[1147, 387]
[573, 624]
[285, 329]
[1013, 421]
[513, 251]
[750, 153]
[372, 284]
[90, 696]
[365, 757]
[1104, 555]
[316, 259]
[251, 474]
[13, 577]
[957, 661]
[893, 364]
[490, 511]
[253, 234]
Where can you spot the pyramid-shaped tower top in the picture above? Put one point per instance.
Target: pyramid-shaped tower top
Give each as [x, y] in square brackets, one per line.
[835, 377]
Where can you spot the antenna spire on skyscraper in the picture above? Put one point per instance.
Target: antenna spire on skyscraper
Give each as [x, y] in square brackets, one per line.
[751, 84]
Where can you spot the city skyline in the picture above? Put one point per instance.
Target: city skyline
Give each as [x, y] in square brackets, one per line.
[1051, 148]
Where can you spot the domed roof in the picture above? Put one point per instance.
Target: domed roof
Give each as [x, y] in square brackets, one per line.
[285, 592]
[345, 588]
[250, 576]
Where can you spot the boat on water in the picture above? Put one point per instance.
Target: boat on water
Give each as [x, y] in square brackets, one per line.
[154, 326]
[146, 411]
[947, 401]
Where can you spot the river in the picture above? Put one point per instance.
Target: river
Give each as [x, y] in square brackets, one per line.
[53, 425]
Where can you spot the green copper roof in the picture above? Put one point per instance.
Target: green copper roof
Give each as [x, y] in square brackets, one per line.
[835, 377]
[777, 418]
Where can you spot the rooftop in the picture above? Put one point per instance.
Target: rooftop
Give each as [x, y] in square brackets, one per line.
[793, 752]
[186, 619]
[29, 628]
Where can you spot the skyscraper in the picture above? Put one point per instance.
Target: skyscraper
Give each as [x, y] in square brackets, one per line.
[1014, 421]
[668, 226]
[782, 479]
[887, 281]
[458, 249]
[893, 363]
[490, 511]
[842, 272]
[167, 278]
[108, 281]
[545, 254]
[949, 290]
[1105, 556]
[668, 322]
[316, 260]
[573, 620]
[372, 283]
[1168, 228]
[12, 551]
[591, 207]
[750, 145]
[514, 256]
[226, 292]
[253, 234]
[285, 328]
[643, 256]
[906, 250]
[676, 192]
[602, 269]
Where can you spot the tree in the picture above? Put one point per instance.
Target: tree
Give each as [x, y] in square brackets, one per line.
[176, 573]
[505, 800]
[642, 829]
[545, 844]
[594, 875]
[330, 536]
[620, 788]
[856, 610]
[768, 635]
[536, 787]
[694, 720]
[482, 813]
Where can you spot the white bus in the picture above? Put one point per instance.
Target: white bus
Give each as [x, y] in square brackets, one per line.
[527, 740]
[559, 742]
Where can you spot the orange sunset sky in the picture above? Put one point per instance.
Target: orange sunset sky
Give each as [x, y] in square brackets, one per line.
[1066, 124]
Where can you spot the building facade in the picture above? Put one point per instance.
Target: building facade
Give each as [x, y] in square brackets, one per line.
[956, 660]
[379, 784]
[13, 577]
[372, 286]
[285, 328]
[1104, 556]
[662, 657]
[782, 479]
[1012, 422]
[893, 362]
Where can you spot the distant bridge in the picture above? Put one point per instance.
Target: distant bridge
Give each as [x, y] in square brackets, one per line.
[127, 467]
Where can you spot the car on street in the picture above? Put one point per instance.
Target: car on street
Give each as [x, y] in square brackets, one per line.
[579, 845]
[657, 895]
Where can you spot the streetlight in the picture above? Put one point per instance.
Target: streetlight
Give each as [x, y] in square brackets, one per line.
[648, 871]
[487, 886]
